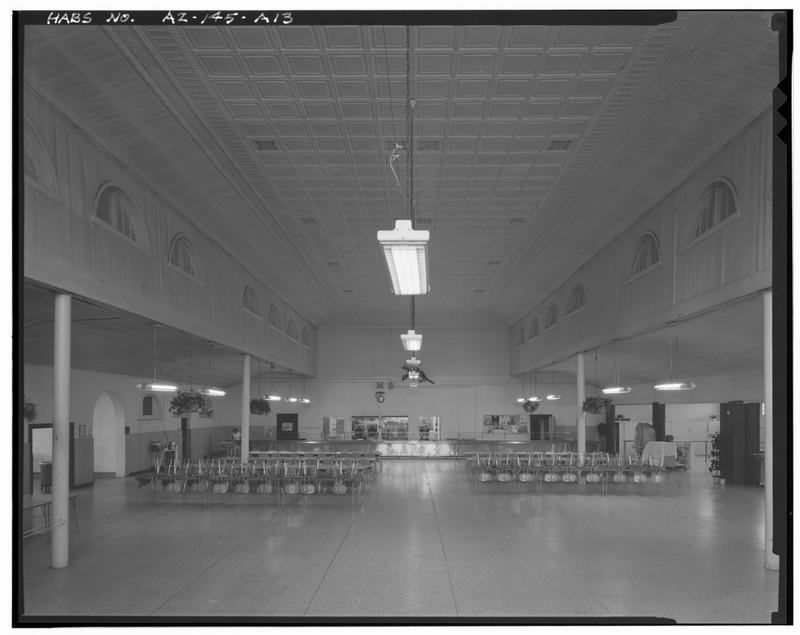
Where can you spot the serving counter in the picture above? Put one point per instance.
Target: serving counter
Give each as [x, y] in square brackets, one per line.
[451, 448]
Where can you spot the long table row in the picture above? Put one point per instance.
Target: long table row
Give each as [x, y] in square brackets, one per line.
[565, 467]
[283, 474]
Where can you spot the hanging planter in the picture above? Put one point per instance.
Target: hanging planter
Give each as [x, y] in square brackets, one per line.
[187, 401]
[530, 406]
[28, 410]
[595, 405]
[260, 406]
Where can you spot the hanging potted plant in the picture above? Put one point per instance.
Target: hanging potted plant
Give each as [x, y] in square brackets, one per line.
[260, 406]
[715, 464]
[28, 410]
[187, 401]
[594, 405]
[530, 406]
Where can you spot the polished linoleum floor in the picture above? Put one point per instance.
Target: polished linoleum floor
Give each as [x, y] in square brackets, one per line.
[422, 543]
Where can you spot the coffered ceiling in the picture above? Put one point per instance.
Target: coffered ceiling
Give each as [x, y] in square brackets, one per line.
[528, 148]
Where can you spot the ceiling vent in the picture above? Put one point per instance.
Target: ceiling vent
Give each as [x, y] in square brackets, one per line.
[560, 144]
[265, 145]
[428, 144]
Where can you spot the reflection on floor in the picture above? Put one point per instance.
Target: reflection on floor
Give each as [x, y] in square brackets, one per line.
[421, 543]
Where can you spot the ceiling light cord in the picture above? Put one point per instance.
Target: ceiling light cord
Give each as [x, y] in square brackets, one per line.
[410, 128]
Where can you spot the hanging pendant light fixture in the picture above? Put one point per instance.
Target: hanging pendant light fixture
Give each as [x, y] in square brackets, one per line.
[674, 383]
[406, 249]
[533, 396]
[211, 391]
[553, 396]
[273, 396]
[412, 341]
[617, 388]
[155, 385]
[291, 398]
[304, 399]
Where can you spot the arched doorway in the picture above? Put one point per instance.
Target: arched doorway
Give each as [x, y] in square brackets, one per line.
[108, 425]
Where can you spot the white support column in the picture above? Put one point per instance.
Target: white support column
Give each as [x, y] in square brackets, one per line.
[581, 414]
[771, 560]
[246, 407]
[59, 510]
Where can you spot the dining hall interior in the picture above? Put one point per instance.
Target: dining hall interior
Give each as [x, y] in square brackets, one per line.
[401, 317]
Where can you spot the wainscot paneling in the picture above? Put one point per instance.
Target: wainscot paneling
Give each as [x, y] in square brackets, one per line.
[65, 248]
[738, 252]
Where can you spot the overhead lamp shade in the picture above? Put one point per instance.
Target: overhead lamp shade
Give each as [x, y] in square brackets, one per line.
[521, 400]
[553, 397]
[274, 397]
[305, 400]
[534, 398]
[406, 252]
[413, 375]
[413, 361]
[291, 399]
[156, 387]
[411, 341]
[616, 390]
[212, 392]
[675, 385]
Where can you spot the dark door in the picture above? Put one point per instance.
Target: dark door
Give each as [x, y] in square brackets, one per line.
[541, 428]
[287, 426]
[739, 442]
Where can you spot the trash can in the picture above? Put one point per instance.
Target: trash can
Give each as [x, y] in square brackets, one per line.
[46, 471]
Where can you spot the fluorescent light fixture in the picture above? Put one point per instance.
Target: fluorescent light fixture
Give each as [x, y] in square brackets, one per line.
[675, 385]
[406, 255]
[412, 341]
[291, 399]
[274, 398]
[305, 400]
[616, 390]
[534, 398]
[521, 400]
[553, 397]
[156, 387]
[212, 392]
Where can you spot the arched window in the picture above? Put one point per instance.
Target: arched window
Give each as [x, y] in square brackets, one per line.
[534, 329]
[291, 330]
[576, 299]
[520, 336]
[151, 407]
[716, 204]
[183, 256]
[37, 166]
[306, 337]
[117, 211]
[552, 316]
[646, 255]
[274, 317]
[250, 301]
